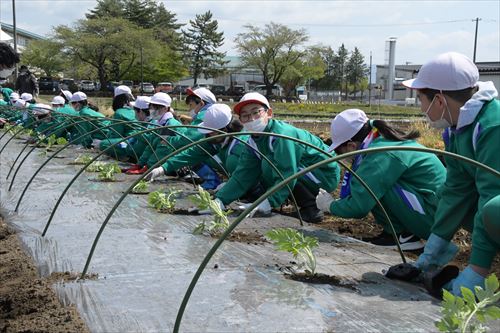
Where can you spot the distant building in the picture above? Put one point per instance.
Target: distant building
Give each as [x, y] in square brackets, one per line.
[24, 37]
[488, 71]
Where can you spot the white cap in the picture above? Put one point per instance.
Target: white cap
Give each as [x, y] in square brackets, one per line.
[250, 98]
[142, 102]
[448, 71]
[217, 116]
[203, 93]
[41, 109]
[123, 90]
[20, 103]
[67, 94]
[346, 125]
[26, 97]
[78, 97]
[57, 100]
[161, 99]
[14, 96]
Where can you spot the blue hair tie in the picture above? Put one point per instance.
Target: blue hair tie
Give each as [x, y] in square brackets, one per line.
[371, 123]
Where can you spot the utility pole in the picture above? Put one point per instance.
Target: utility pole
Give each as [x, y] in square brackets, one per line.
[142, 76]
[370, 83]
[475, 39]
[14, 32]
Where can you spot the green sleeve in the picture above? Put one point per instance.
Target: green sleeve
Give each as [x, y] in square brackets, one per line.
[457, 199]
[190, 157]
[380, 172]
[245, 176]
[488, 187]
[286, 157]
[148, 151]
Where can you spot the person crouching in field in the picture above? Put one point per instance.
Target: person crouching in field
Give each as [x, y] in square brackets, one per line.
[405, 182]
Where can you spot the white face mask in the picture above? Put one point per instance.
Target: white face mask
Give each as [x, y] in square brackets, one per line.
[441, 123]
[257, 125]
[155, 114]
[192, 113]
[5, 73]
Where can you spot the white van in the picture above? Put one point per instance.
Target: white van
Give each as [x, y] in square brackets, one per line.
[277, 90]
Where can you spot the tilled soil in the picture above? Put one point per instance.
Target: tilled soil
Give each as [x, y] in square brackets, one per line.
[27, 302]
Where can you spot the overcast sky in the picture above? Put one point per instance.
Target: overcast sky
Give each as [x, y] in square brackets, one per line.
[423, 28]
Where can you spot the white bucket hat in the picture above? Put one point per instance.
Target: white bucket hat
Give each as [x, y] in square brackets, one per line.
[67, 94]
[217, 116]
[249, 98]
[203, 93]
[345, 125]
[123, 90]
[142, 102]
[161, 99]
[57, 100]
[14, 97]
[41, 109]
[78, 97]
[26, 97]
[448, 71]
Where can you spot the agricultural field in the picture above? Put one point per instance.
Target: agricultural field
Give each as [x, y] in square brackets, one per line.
[153, 244]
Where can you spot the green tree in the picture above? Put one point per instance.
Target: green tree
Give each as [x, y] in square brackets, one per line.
[110, 45]
[106, 8]
[201, 46]
[272, 50]
[44, 54]
[327, 82]
[356, 69]
[140, 12]
[310, 67]
[166, 28]
[340, 69]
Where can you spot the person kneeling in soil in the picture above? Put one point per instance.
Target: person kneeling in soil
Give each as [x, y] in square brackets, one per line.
[453, 99]
[288, 156]
[223, 152]
[405, 182]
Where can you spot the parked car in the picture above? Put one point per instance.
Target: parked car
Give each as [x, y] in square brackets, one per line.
[147, 88]
[201, 85]
[127, 83]
[181, 89]
[112, 85]
[165, 87]
[218, 89]
[277, 90]
[68, 84]
[236, 91]
[47, 83]
[87, 85]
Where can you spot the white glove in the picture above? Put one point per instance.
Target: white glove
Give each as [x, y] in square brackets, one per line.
[208, 211]
[220, 186]
[155, 173]
[324, 201]
[96, 143]
[263, 208]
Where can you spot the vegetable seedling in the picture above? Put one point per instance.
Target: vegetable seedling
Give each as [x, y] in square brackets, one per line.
[83, 159]
[290, 240]
[163, 202]
[220, 221]
[141, 187]
[466, 314]
[108, 172]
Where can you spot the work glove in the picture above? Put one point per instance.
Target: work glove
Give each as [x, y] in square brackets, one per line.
[324, 200]
[264, 208]
[466, 279]
[123, 145]
[130, 168]
[208, 211]
[220, 186]
[137, 171]
[437, 252]
[155, 173]
[96, 143]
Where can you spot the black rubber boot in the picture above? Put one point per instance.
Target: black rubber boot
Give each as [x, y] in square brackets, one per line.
[306, 200]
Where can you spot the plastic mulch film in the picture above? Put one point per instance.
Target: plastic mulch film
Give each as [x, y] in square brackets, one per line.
[145, 261]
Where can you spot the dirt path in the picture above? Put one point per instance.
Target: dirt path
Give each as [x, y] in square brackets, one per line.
[28, 303]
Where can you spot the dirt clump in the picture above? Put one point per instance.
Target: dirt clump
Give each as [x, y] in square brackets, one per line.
[27, 302]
